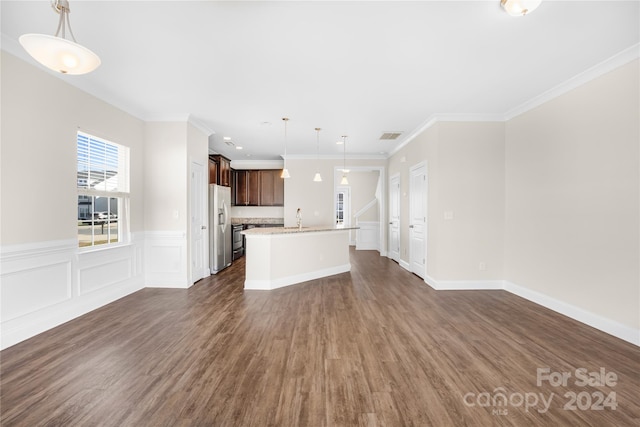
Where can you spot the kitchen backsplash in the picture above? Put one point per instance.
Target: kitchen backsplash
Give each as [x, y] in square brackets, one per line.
[257, 212]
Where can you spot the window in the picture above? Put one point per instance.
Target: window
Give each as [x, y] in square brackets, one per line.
[103, 191]
[342, 205]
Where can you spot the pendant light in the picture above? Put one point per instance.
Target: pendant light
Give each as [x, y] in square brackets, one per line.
[317, 177]
[285, 171]
[344, 180]
[58, 53]
[519, 7]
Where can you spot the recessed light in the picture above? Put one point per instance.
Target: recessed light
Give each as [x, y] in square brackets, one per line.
[238, 147]
[339, 142]
[227, 138]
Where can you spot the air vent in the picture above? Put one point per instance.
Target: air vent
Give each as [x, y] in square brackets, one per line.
[389, 136]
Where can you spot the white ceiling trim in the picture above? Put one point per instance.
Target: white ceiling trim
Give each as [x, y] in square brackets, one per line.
[200, 126]
[336, 156]
[586, 76]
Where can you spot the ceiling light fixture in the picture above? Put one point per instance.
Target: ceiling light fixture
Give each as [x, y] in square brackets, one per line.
[317, 177]
[344, 180]
[58, 53]
[519, 7]
[285, 171]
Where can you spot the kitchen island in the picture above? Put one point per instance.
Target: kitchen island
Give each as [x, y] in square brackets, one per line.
[277, 257]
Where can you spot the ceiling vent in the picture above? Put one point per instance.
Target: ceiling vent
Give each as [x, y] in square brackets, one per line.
[390, 136]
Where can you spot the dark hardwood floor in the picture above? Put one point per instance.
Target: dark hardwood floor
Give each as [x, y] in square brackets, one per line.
[373, 347]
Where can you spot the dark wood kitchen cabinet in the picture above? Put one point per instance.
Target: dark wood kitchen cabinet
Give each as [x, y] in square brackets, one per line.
[257, 188]
[246, 187]
[219, 170]
[271, 188]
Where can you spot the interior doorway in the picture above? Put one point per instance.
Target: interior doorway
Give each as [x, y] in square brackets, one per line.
[418, 219]
[198, 222]
[394, 218]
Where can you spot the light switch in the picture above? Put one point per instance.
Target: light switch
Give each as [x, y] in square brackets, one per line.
[448, 215]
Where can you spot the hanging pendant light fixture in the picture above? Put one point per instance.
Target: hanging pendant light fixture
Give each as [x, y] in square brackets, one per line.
[344, 180]
[285, 171]
[519, 7]
[317, 177]
[58, 53]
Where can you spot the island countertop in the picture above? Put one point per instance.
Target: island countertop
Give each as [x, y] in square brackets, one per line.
[294, 230]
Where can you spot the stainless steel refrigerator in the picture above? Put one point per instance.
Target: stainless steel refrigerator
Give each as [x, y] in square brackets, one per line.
[220, 237]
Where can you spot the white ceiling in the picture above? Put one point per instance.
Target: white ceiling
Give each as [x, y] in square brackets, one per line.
[352, 68]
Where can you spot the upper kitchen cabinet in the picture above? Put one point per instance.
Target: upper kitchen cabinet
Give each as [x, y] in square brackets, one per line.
[258, 188]
[271, 188]
[219, 170]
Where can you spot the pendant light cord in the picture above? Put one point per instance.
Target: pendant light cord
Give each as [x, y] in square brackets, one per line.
[62, 7]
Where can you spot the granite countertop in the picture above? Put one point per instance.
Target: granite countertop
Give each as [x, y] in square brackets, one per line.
[293, 230]
[269, 221]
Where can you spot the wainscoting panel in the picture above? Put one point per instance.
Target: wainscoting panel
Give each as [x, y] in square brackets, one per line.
[367, 236]
[45, 284]
[166, 259]
[31, 286]
[100, 269]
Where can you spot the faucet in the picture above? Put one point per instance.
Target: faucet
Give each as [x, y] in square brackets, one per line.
[299, 219]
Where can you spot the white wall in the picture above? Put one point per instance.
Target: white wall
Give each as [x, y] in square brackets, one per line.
[572, 198]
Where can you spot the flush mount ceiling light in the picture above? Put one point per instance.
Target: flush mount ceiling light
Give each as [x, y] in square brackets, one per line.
[519, 7]
[317, 177]
[285, 171]
[344, 180]
[58, 53]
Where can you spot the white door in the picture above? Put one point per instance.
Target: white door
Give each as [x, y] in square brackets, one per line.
[394, 218]
[418, 219]
[198, 222]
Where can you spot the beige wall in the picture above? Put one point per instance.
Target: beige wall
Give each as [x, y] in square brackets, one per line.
[424, 148]
[465, 171]
[363, 187]
[549, 200]
[40, 117]
[166, 176]
[470, 185]
[314, 198]
[572, 197]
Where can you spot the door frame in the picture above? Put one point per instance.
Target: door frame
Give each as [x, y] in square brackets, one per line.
[418, 166]
[390, 253]
[194, 276]
[382, 204]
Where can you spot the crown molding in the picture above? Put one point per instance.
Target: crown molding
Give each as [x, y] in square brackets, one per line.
[618, 60]
[201, 126]
[610, 64]
[354, 156]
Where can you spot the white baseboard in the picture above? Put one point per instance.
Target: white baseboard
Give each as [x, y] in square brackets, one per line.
[404, 264]
[460, 285]
[266, 285]
[601, 323]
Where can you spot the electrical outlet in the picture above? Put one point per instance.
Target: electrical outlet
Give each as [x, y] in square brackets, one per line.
[482, 266]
